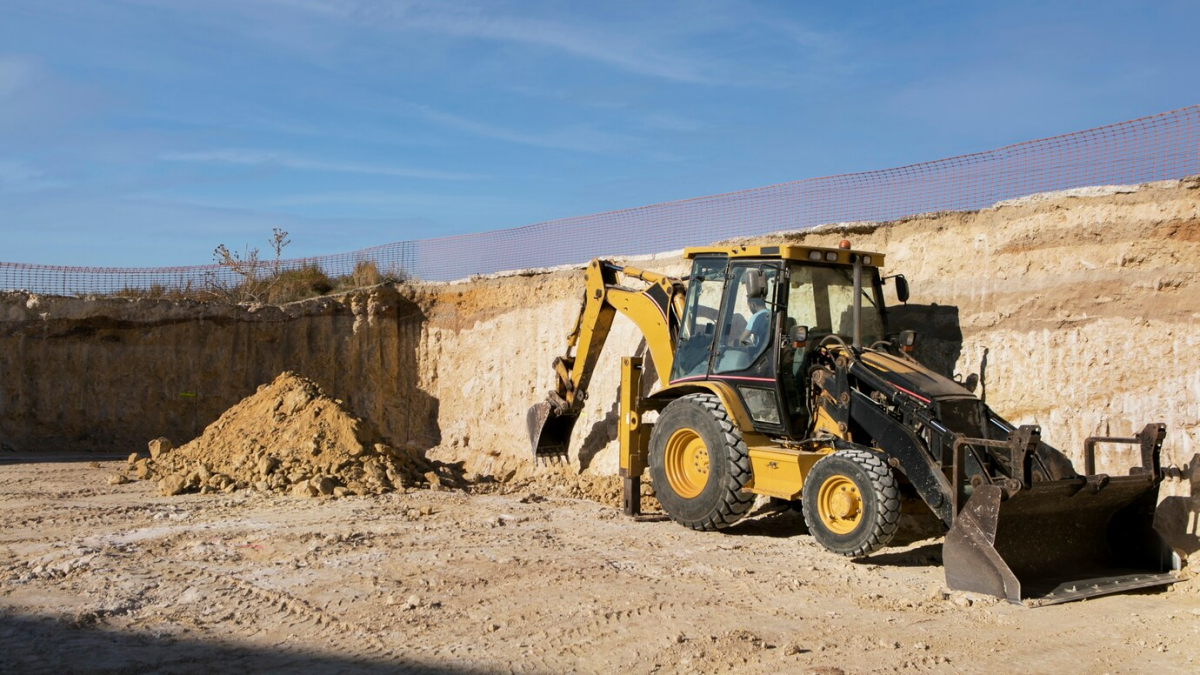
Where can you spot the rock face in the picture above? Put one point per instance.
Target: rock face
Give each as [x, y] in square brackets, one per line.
[288, 437]
[108, 374]
[1087, 304]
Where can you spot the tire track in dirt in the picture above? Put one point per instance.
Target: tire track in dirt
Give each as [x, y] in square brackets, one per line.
[343, 636]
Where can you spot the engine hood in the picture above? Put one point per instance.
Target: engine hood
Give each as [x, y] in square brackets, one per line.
[913, 377]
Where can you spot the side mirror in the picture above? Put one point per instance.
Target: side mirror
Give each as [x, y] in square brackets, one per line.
[901, 288]
[907, 339]
[798, 335]
[971, 383]
[756, 283]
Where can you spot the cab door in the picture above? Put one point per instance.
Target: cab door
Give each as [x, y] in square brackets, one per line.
[746, 352]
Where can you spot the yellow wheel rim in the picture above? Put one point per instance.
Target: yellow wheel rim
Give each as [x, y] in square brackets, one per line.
[686, 463]
[839, 504]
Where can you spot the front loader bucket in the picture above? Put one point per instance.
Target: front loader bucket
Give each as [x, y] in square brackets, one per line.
[1059, 541]
[549, 432]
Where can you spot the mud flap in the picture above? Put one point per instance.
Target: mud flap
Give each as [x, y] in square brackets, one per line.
[549, 432]
[1059, 541]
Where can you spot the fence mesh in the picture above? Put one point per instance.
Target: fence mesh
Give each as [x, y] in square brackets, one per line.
[1158, 147]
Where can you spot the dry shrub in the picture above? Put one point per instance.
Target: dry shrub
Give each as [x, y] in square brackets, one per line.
[366, 273]
[306, 281]
[158, 292]
[246, 277]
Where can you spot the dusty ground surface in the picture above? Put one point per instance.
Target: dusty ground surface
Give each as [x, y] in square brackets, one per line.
[116, 579]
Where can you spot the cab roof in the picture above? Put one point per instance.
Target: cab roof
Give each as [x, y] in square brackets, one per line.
[843, 256]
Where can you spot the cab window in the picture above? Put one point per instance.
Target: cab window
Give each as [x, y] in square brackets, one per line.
[703, 298]
[746, 318]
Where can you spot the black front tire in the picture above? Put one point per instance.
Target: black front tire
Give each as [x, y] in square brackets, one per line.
[879, 507]
[721, 502]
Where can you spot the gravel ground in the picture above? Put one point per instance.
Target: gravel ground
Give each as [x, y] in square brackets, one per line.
[96, 578]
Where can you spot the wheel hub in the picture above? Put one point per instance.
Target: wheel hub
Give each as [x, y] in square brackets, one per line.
[840, 504]
[686, 463]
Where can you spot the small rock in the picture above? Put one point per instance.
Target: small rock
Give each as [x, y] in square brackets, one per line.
[427, 510]
[435, 481]
[532, 498]
[791, 650]
[118, 479]
[304, 490]
[94, 465]
[267, 466]
[490, 627]
[340, 492]
[142, 469]
[159, 447]
[921, 646]
[133, 458]
[172, 485]
[323, 484]
[413, 602]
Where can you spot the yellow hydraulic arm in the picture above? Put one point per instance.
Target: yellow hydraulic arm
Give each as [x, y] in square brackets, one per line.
[655, 310]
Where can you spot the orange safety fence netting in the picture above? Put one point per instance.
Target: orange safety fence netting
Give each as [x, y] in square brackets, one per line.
[1158, 147]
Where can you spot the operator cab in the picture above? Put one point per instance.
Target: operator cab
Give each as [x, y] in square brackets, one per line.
[753, 315]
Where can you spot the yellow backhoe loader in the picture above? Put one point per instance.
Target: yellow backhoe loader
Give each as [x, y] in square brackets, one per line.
[778, 377]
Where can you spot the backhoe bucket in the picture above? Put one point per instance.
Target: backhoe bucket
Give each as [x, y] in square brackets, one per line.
[549, 432]
[1059, 541]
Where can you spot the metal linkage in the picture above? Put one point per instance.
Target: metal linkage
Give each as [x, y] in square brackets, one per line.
[1150, 439]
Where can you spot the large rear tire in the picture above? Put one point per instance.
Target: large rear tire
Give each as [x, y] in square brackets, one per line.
[852, 502]
[699, 464]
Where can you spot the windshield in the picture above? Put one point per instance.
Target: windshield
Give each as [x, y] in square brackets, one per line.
[822, 299]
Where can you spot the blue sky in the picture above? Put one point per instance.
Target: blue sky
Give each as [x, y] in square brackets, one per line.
[146, 132]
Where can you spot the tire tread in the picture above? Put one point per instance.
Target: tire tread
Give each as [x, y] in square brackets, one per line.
[734, 502]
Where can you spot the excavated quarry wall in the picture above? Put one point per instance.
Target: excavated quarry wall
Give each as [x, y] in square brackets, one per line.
[1087, 302]
[108, 375]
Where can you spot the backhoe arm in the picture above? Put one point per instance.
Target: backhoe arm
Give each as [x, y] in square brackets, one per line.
[655, 310]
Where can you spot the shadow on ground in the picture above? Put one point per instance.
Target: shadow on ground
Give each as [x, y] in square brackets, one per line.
[929, 555]
[32, 644]
[778, 522]
[52, 458]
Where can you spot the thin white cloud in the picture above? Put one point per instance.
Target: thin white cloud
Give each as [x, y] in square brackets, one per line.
[579, 138]
[635, 47]
[614, 50]
[18, 177]
[286, 161]
[669, 122]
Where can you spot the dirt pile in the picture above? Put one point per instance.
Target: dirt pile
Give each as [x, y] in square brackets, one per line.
[288, 437]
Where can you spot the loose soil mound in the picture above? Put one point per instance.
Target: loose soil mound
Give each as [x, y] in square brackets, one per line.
[287, 437]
